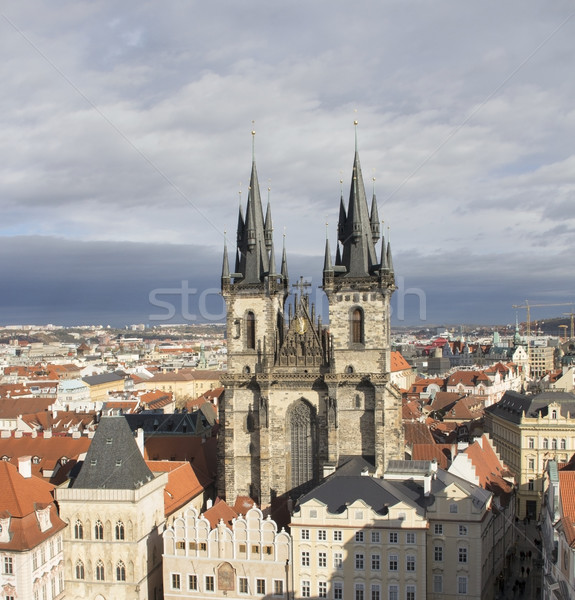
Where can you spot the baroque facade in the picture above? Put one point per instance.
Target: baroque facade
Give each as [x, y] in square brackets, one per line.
[300, 396]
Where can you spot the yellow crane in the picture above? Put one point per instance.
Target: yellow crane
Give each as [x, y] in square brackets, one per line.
[530, 306]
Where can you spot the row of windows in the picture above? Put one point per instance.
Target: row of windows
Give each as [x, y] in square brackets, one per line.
[119, 530]
[359, 561]
[462, 554]
[242, 548]
[438, 529]
[46, 551]
[40, 593]
[375, 537]
[359, 591]
[100, 572]
[244, 585]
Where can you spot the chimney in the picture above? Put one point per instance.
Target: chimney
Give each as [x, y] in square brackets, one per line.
[25, 466]
[140, 440]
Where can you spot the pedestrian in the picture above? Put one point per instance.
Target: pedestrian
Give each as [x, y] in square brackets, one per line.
[522, 571]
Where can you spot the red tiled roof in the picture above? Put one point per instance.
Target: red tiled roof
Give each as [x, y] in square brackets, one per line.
[440, 452]
[398, 363]
[183, 484]
[417, 433]
[220, 511]
[20, 499]
[567, 493]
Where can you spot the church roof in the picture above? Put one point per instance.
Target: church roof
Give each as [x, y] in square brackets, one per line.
[113, 460]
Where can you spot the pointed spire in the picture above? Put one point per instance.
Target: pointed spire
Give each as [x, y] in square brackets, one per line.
[226, 264]
[338, 256]
[268, 227]
[284, 272]
[327, 264]
[341, 221]
[272, 261]
[389, 259]
[374, 217]
[383, 260]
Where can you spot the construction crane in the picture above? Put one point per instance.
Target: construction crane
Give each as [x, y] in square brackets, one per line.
[530, 306]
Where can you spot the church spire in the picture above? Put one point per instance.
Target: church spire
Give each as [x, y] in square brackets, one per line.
[356, 232]
[226, 263]
[253, 242]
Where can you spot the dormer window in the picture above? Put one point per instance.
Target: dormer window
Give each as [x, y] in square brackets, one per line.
[554, 414]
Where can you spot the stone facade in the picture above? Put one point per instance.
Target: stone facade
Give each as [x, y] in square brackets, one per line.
[299, 396]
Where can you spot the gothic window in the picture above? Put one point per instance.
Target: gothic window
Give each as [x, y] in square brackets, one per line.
[99, 571]
[251, 330]
[78, 530]
[357, 326]
[98, 530]
[121, 571]
[79, 570]
[119, 530]
[300, 426]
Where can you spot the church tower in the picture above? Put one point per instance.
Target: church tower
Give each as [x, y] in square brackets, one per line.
[299, 397]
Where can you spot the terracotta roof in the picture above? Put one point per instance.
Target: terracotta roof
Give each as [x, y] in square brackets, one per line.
[49, 451]
[243, 504]
[183, 484]
[20, 499]
[440, 452]
[220, 511]
[417, 433]
[567, 493]
[398, 363]
[411, 410]
[444, 400]
[11, 408]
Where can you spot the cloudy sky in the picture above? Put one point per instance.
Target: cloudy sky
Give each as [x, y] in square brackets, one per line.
[125, 146]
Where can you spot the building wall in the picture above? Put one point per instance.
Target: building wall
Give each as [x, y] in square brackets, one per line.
[141, 512]
[205, 562]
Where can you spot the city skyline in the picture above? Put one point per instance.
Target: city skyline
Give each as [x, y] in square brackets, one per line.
[126, 144]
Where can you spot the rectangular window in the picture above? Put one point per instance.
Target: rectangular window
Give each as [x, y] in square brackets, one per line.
[305, 534]
[410, 538]
[531, 464]
[531, 442]
[305, 559]
[278, 587]
[179, 545]
[410, 562]
[322, 559]
[462, 530]
[375, 562]
[438, 529]
[305, 589]
[393, 560]
[438, 553]
[203, 546]
[531, 485]
[375, 592]
[393, 592]
[453, 508]
[268, 550]
[261, 586]
[393, 537]
[410, 592]
[322, 589]
[209, 583]
[192, 582]
[438, 584]
[462, 555]
[322, 535]
[338, 590]
[255, 549]
[337, 560]
[462, 585]
[359, 591]
[375, 537]
[8, 565]
[176, 581]
[243, 585]
[359, 561]
[359, 536]
[337, 537]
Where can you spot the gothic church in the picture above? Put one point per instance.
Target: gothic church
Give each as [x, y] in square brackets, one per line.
[301, 397]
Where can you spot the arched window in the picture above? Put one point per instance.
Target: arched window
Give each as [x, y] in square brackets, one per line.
[563, 444]
[554, 444]
[100, 571]
[545, 443]
[553, 414]
[119, 530]
[98, 530]
[79, 570]
[251, 330]
[78, 530]
[121, 571]
[357, 326]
